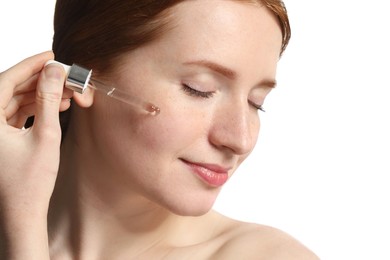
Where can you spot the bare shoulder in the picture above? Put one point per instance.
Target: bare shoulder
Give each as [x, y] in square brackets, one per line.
[252, 241]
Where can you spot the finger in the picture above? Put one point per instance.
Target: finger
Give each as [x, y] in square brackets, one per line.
[65, 104]
[19, 119]
[17, 102]
[24, 99]
[48, 98]
[31, 84]
[19, 73]
[28, 85]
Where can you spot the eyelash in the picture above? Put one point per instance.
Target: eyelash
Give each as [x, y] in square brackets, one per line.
[258, 107]
[196, 93]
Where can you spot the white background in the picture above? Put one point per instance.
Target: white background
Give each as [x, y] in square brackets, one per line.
[319, 171]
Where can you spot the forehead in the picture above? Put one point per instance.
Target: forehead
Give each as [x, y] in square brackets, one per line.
[223, 30]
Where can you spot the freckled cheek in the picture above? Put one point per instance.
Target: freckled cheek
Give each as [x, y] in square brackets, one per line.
[172, 129]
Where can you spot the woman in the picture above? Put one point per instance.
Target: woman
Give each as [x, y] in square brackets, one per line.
[129, 185]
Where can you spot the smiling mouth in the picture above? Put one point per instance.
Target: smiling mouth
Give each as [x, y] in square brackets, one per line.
[211, 174]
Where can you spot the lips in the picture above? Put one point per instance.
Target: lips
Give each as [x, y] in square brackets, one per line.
[212, 174]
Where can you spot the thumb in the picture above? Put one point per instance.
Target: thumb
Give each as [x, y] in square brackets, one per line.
[48, 98]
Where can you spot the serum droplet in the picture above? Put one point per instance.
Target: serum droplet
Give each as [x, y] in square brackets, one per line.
[153, 110]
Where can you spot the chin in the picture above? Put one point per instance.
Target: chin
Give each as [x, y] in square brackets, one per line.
[190, 206]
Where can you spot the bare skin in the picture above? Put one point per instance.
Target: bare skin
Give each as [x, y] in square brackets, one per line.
[126, 186]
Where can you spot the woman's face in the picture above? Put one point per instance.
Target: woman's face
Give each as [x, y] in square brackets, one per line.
[208, 74]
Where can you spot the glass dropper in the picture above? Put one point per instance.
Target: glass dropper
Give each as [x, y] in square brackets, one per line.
[79, 78]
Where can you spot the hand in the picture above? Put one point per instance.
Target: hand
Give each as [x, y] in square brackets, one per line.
[29, 158]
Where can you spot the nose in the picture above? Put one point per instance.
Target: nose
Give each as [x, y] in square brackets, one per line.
[235, 128]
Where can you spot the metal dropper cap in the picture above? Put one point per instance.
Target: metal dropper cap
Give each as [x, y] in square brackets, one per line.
[78, 78]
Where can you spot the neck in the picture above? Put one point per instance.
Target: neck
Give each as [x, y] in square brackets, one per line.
[89, 211]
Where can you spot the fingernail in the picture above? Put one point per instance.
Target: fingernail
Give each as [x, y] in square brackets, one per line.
[53, 71]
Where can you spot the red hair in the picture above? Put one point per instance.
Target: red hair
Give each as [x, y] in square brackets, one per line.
[94, 33]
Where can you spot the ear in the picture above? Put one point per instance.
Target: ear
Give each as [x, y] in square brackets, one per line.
[86, 99]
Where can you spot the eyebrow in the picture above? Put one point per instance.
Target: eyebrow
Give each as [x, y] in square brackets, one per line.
[226, 72]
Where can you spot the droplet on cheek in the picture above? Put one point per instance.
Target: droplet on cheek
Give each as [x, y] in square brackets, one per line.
[153, 110]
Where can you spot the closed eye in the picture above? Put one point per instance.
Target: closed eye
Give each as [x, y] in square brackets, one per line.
[258, 107]
[196, 93]
[191, 91]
